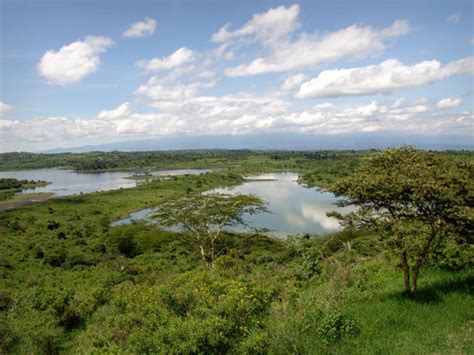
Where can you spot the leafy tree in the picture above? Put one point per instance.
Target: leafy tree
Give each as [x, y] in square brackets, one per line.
[205, 216]
[416, 196]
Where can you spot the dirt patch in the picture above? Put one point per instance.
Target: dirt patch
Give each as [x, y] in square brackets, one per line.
[27, 201]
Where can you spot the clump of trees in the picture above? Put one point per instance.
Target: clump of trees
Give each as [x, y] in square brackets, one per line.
[9, 186]
[205, 216]
[415, 197]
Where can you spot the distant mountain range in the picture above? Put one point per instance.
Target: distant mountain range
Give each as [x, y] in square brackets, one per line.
[281, 142]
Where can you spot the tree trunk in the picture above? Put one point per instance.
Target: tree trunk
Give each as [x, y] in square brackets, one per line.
[406, 272]
[213, 255]
[203, 253]
[420, 261]
[416, 272]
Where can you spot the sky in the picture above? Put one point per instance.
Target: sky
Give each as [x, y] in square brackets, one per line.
[92, 72]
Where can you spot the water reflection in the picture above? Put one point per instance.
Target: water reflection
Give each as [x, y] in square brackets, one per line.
[295, 209]
[134, 216]
[67, 182]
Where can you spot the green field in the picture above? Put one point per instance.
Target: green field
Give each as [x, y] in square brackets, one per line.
[71, 283]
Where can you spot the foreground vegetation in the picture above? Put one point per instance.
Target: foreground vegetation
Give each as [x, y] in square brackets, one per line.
[72, 283]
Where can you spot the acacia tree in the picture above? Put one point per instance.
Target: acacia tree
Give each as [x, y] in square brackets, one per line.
[205, 217]
[416, 197]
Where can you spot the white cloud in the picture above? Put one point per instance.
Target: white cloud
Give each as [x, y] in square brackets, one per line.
[236, 114]
[325, 105]
[276, 29]
[398, 103]
[450, 102]
[176, 59]
[74, 61]
[161, 94]
[386, 77]
[188, 74]
[123, 111]
[140, 29]
[398, 28]
[5, 108]
[248, 113]
[268, 26]
[454, 18]
[292, 81]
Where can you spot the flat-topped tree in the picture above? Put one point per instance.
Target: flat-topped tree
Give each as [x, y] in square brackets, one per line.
[205, 216]
[416, 197]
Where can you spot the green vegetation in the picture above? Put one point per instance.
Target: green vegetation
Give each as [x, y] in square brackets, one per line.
[321, 166]
[72, 283]
[9, 186]
[204, 217]
[414, 197]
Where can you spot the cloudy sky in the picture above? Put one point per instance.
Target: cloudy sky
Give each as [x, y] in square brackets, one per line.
[93, 72]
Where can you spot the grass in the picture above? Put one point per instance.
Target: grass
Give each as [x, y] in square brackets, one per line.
[438, 320]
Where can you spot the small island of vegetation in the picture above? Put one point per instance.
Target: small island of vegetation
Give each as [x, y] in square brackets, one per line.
[10, 189]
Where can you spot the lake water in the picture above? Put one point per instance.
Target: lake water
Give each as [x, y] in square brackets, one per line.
[134, 216]
[67, 182]
[294, 208]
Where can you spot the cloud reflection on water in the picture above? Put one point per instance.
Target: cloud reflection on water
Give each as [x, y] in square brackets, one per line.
[295, 209]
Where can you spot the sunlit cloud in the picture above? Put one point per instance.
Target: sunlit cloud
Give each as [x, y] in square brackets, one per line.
[74, 61]
[274, 30]
[179, 57]
[386, 77]
[449, 102]
[241, 114]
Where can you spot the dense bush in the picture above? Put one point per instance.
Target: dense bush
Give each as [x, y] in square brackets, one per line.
[55, 257]
[453, 255]
[198, 312]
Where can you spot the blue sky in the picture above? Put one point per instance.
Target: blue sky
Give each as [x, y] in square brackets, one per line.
[92, 72]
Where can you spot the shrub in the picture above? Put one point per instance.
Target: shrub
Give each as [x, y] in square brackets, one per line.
[310, 265]
[14, 227]
[52, 225]
[255, 343]
[77, 257]
[38, 252]
[55, 257]
[453, 256]
[334, 325]
[126, 245]
[197, 312]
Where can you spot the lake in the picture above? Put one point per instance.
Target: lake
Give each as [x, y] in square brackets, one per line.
[295, 208]
[67, 182]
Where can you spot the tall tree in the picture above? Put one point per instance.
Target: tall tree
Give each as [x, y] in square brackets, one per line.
[416, 196]
[205, 217]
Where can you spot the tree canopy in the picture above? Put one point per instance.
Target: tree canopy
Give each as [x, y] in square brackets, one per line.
[205, 216]
[416, 196]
